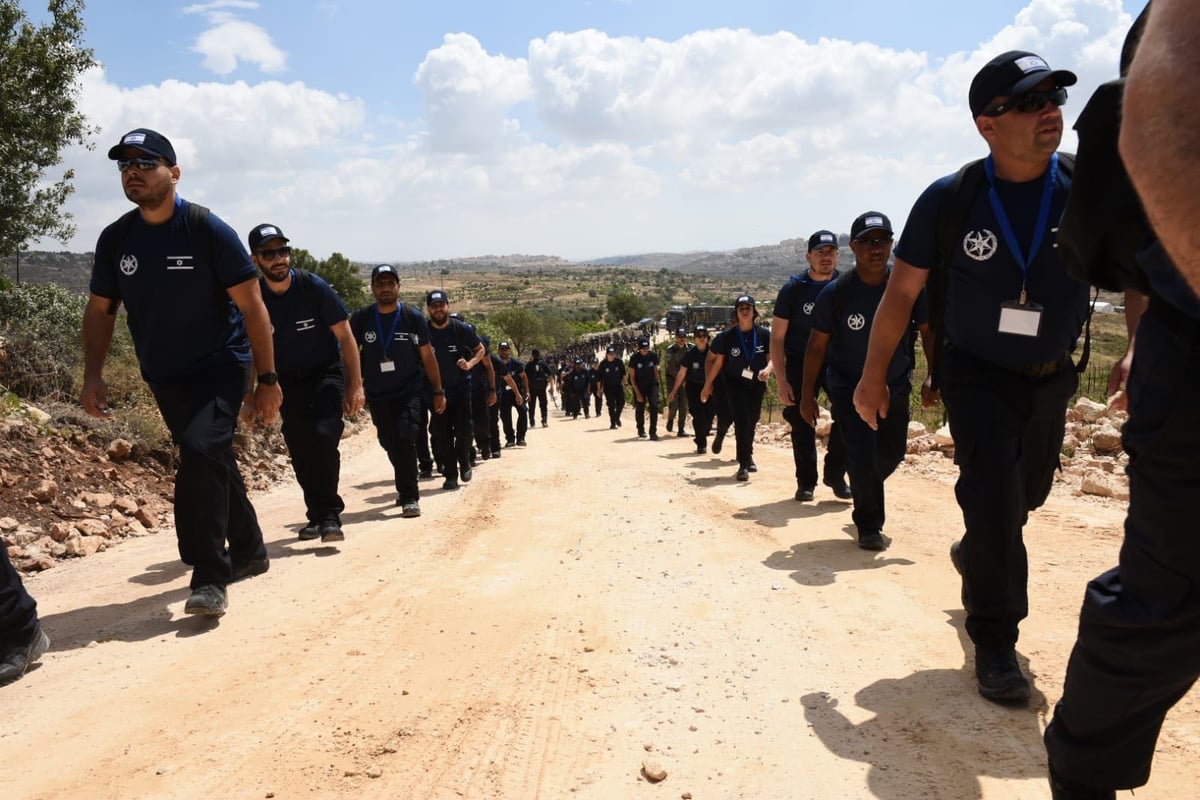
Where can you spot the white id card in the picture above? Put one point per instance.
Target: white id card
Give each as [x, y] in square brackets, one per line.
[387, 366]
[748, 374]
[1021, 320]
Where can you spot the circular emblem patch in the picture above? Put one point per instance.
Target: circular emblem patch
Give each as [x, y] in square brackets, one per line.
[128, 264]
[735, 352]
[856, 322]
[370, 337]
[808, 307]
[980, 245]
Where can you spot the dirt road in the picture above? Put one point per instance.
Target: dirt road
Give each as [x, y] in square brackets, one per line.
[586, 605]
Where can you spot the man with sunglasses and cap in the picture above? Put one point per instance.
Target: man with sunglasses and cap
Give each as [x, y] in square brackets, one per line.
[677, 402]
[317, 361]
[643, 376]
[457, 349]
[837, 346]
[194, 353]
[394, 351]
[791, 322]
[1011, 315]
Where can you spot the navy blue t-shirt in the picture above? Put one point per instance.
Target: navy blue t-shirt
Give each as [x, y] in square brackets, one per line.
[451, 343]
[695, 361]
[645, 369]
[301, 319]
[538, 373]
[612, 373]
[849, 336]
[795, 303]
[748, 349]
[511, 367]
[983, 274]
[394, 339]
[179, 311]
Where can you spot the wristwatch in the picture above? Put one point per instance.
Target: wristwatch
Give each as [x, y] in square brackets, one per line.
[437, 392]
[269, 378]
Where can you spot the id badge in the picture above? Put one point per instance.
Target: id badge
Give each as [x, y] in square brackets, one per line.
[748, 374]
[1020, 319]
[387, 366]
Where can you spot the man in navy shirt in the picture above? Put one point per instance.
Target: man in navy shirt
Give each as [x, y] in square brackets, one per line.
[457, 350]
[612, 383]
[643, 375]
[1012, 316]
[539, 379]
[317, 361]
[690, 378]
[790, 323]
[841, 329]
[195, 311]
[394, 350]
[514, 388]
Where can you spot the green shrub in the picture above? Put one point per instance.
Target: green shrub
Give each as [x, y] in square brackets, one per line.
[40, 325]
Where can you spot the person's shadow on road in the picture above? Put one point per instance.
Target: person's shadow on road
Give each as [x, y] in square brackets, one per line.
[782, 512]
[932, 733]
[818, 563]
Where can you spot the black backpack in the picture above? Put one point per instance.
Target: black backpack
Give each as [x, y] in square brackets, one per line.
[1103, 224]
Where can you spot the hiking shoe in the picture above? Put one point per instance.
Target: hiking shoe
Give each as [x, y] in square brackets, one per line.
[15, 659]
[426, 474]
[742, 474]
[841, 490]
[466, 475]
[255, 566]
[804, 494]
[681, 433]
[208, 601]
[309, 531]
[331, 531]
[654, 437]
[872, 541]
[544, 423]
[641, 434]
[410, 509]
[612, 426]
[450, 484]
[701, 449]
[495, 454]
[1063, 789]
[718, 440]
[999, 674]
[520, 443]
[752, 467]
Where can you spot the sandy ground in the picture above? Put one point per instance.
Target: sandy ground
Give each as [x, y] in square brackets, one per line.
[586, 605]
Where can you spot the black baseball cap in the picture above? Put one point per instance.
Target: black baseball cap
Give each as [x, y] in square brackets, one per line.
[681, 331]
[699, 329]
[436, 296]
[744, 300]
[610, 349]
[1011, 73]
[822, 239]
[643, 342]
[870, 221]
[384, 269]
[505, 346]
[148, 141]
[264, 233]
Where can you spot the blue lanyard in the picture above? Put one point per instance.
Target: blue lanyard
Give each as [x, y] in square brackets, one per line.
[386, 343]
[753, 341]
[1043, 218]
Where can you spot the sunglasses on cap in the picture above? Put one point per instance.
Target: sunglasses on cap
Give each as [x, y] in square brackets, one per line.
[1025, 103]
[142, 164]
[272, 253]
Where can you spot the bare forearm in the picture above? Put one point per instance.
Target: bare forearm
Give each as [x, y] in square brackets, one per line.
[1160, 131]
[98, 326]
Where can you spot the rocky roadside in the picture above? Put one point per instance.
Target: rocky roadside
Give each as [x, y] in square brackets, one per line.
[66, 492]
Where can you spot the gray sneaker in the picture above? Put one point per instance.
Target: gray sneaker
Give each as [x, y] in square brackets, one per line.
[16, 659]
[208, 600]
[411, 509]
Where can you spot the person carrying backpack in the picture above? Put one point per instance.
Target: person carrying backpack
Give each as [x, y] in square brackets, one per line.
[1007, 315]
[837, 347]
[317, 361]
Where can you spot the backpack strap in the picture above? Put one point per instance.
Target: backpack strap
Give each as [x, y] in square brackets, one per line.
[201, 231]
[952, 216]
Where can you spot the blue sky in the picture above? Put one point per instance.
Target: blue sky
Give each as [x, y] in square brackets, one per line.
[407, 131]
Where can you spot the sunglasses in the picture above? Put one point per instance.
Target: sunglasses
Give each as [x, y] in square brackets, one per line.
[1025, 103]
[876, 243]
[701, 335]
[272, 253]
[142, 164]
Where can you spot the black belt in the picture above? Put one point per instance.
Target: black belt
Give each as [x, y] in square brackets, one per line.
[1042, 370]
